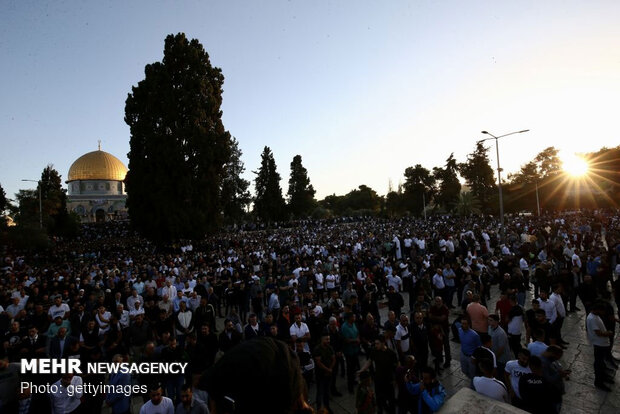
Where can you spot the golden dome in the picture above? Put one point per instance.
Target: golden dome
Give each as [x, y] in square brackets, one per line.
[97, 165]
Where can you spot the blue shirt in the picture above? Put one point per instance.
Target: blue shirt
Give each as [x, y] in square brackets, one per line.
[449, 282]
[470, 340]
[537, 348]
[349, 331]
[433, 398]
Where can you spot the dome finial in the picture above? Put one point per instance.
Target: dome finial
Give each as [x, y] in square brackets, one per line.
[99, 144]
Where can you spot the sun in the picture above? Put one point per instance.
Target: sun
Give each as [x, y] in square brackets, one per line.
[575, 166]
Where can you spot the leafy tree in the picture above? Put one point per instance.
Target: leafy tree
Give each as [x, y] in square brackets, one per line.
[178, 144]
[27, 212]
[235, 195]
[56, 218]
[269, 204]
[3, 200]
[4, 205]
[468, 204]
[478, 174]
[543, 172]
[450, 186]
[53, 195]
[363, 199]
[394, 204]
[548, 162]
[419, 188]
[332, 203]
[300, 191]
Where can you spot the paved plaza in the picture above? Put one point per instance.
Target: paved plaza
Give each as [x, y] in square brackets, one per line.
[581, 397]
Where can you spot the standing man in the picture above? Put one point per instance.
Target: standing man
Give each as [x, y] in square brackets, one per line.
[403, 338]
[420, 339]
[500, 347]
[351, 349]
[489, 386]
[438, 314]
[470, 341]
[63, 403]
[513, 372]
[450, 279]
[300, 332]
[515, 325]
[188, 404]
[158, 404]
[598, 335]
[385, 362]
[439, 284]
[479, 315]
[119, 402]
[556, 298]
[325, 360]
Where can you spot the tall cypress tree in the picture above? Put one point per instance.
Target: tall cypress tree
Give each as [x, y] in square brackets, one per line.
[449, 187]
[235, 194]
[300, 191]
[178, 144]
[269, 204]
[478, 174]
[3, 200]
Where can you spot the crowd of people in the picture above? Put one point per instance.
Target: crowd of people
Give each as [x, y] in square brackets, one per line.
[316, 286]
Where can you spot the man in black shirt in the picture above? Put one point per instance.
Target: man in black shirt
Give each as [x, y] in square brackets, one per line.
[385, 363]
[537, 394]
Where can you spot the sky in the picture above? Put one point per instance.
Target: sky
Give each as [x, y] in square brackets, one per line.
[360, 89]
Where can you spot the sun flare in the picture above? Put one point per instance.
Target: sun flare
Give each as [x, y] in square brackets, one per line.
[575, 166]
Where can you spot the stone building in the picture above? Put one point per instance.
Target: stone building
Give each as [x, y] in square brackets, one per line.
[96, 191]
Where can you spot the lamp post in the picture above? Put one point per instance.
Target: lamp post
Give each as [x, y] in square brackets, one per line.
[40, 202]
[537, 201]
[499, 178]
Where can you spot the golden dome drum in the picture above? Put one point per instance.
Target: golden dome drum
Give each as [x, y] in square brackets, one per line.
[97, 165]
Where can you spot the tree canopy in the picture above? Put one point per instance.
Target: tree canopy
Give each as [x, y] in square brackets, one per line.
[55, 217]
[478, 175]
[449, 185]
[3, 200]
[300, 191]
[178, 145]
[235, 195]
[269, 204]
[419, 188]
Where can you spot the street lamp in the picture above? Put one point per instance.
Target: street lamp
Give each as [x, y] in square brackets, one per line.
[499, 178]
[40, 202]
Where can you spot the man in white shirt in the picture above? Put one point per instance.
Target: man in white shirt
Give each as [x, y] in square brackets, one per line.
[123, 316]
[524, 267]
[169, 290]
[548, 306]
[135, 297]
[576, 259]
[300, 332]
[598, 335]
[402, 337]
[58, 309]
[63, 402]
[556, 298]
[489, 386]
[395, 281]
[513, 372]
[158, 404]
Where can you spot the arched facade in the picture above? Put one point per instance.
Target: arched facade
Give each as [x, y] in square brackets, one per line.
[96, 191]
